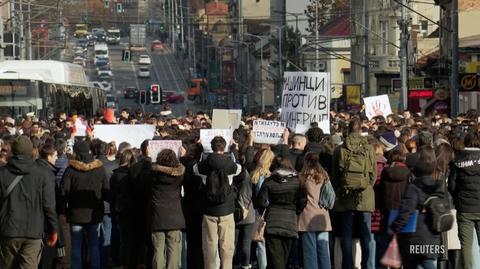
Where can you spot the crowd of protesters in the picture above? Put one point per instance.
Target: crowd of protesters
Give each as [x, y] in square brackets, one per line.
[70, 202]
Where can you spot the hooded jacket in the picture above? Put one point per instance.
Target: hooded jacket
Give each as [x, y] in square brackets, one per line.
[84, 188]
[366, 199]
[393, 183]
[284, 200]
[166, 204]
[223, 163]
[463, 181]
[31, 204]
[413, 199]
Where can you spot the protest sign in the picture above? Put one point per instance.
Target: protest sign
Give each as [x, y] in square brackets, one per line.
[206, 136]
[301, 128]
[226, 118]
[80, 127]
[155, 146]
[306, 99]
[377, 106]
[133, 134]
[268, 132]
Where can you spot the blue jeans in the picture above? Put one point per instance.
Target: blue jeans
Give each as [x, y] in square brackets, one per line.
[362, 220]
[261, 255]
[424, 264]
[93, 238]
[106, 240]
[373, 246]
[316, 250]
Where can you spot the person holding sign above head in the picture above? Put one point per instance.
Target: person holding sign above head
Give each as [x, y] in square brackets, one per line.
[218, 226]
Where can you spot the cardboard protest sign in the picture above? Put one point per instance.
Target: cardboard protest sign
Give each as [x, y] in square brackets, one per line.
[155, 146]
[377, 106]
[206, 136]
[226, 118]
[306, 99]
[268, 132]
[133, 134]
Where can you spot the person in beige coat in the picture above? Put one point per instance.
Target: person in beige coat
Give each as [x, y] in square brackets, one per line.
[314, 222]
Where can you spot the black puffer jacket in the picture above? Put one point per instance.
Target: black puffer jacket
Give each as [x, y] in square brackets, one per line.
[30, 204]
[85, 187]
[166, 205]
[120, 197]
[283, 199]
[413, 199]
[463, 181]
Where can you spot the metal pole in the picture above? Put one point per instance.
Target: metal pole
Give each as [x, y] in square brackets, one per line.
[13, 28]
[2, 44]
[22, 37]
[29, 30]
[261, 76]
[280, 68]
[366, 71]
[181, 28]
[403, 57]
[317, 57]
[454, 74]
[172, 18]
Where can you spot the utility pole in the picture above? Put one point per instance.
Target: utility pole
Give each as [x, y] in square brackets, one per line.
[366, 60]
[22, 37]
[317, 56]
[404, 36]
[29, 30]
[454, 74]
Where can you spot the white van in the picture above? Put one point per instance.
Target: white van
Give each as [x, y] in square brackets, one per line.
[101, 51]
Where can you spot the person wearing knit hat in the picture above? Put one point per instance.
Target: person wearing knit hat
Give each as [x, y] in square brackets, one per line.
[22, 146]
[388, 140]
[82, 151]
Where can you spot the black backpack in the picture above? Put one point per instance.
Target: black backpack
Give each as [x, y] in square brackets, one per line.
[439, 216]
[217, 187]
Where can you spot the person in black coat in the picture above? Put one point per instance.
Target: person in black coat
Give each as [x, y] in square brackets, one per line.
[121, 204]
[84, 188]
[464, 187]
[423, 246]
[167, 218]
[283, 198]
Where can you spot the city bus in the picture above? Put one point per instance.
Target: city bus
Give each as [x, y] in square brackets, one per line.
[46, 88]
[113, 36]
[101, 51]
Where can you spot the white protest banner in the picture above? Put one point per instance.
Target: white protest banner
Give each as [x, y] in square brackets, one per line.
[226, 118]
[268, 132]
[206, 136]
[306, 99]
[377, 106]
[80, 127]
[301, 128]
[155, 146]
[133, 134]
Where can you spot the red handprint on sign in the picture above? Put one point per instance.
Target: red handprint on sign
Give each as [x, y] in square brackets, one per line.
[377, 109]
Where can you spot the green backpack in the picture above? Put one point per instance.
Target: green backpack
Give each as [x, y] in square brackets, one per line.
[355, 167]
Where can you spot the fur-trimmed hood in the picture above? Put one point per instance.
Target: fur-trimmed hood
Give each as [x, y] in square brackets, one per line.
[85, 167]
[172, 171]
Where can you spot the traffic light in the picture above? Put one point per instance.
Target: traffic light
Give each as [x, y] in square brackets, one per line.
[143, 97]
[155, 94]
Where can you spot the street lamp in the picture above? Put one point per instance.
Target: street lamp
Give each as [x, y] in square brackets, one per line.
[261, 65]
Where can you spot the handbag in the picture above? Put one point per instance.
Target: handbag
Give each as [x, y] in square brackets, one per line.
[392, 256]
[260, 224]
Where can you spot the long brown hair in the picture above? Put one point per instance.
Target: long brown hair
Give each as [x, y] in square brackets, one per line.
[445, 155]
[313, 170]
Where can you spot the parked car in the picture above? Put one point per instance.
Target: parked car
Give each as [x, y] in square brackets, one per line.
[130, 93]
[174, 97]
[82, 42]
[111, 103]
[107, 86]
[80, 61]
[105, 76]
[104, 70]
[157, 45]
[144, 60]
[101, 62]
[144, 72]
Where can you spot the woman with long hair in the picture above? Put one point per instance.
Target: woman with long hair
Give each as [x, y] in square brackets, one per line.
[259, 174]
[283, 198]
[120, 204]
[167, 218]
[314, 221]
